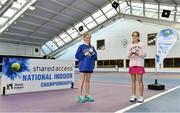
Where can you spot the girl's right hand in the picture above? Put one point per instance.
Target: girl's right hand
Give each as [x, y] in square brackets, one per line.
[130, 54]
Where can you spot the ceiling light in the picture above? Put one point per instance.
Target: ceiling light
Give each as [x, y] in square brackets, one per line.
[32, 8]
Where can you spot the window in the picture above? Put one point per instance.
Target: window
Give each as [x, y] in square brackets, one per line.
[16, 8]
[57, 39]
[149, 63]
[51, 45]
[110, 63]
[91, 25]
[120, 63]
[88, 20]
[3, 1]
[101, 19]
[46, 49]
[178, 14]
[127, 63]
[124, 7]
[97, 14]
[3, 20]
[171, 63]
[9, 13]
[151, 41]
[67, 39]
[76, 64]
[75, 35]
[111, 13]
[99, 63]
[151, 10]
[100, 44]
[64, 35]
[106, 62]
[71, 30]
[109, 10]
[60, 43]
[137, 9]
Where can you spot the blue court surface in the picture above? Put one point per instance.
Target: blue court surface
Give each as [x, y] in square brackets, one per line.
[111, 91]
[168, 102]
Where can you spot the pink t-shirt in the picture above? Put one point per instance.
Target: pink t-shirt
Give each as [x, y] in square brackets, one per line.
[137, 60]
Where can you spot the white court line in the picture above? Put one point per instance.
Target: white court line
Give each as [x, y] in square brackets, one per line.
[146, 100]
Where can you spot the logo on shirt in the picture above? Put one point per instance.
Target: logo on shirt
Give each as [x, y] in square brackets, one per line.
[135, 49]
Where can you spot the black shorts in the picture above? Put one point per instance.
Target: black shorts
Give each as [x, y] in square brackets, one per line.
[86, 71]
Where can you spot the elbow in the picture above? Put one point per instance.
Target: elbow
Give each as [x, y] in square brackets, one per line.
[143, 55]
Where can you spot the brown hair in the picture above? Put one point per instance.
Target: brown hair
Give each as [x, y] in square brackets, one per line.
[137, 34]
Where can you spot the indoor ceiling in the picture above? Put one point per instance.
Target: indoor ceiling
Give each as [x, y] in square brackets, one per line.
[52, 17]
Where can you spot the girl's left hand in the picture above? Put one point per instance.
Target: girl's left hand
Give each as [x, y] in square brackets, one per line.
[137, 53]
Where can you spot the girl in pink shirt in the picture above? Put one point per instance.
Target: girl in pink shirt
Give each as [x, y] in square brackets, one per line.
[136, 55]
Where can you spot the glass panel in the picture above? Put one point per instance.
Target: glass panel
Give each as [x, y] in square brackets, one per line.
[75, 35]
[151, 6]
[149, 63]
[176, 62]
[111, 13]
[125, 8]
[60, 43]
[57, 39]
[127, 63]
[101, 19]
[137, 9]
[51, 45]
[9, 12]
[3, 20]
[107, 8]
[71, 30]
[178, 14]
[3, 1]
[88, 20]
[19, 3]
[168, 62]
[91, 25]
[97, 14]
[67, 39]
[151, 10]
[46, 49]
[64, 35]
[120, 63]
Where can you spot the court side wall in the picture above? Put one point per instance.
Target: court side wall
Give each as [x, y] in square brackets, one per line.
[20, 50]
[113, 36]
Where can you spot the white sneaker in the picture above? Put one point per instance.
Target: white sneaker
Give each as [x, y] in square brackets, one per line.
[140, 99]
[132, 99]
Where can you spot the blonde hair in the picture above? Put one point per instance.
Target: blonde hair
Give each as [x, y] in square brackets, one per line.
[85, 34]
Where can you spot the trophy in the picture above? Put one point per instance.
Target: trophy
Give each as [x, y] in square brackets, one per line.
[91, 50]
[133, 50]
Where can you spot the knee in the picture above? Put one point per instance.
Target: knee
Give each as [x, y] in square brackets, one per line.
[87, 80]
